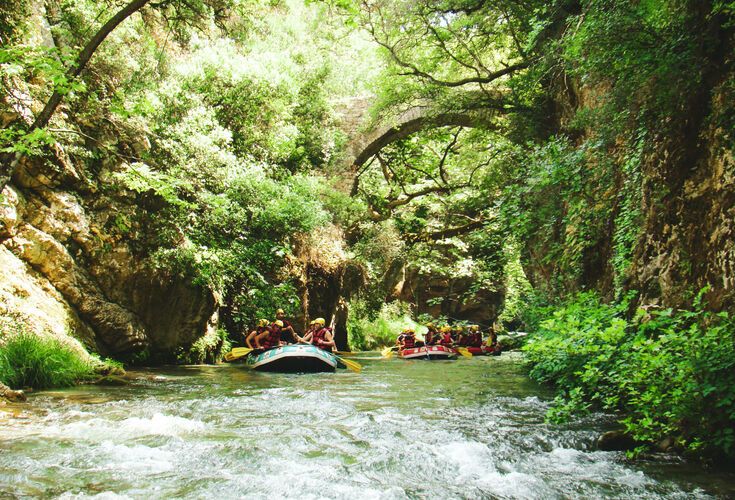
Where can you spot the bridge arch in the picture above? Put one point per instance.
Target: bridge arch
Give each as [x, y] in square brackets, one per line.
[364, 146]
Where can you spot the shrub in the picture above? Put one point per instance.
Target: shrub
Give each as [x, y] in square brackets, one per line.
[29, 360]
[370, 330]
[671, 373]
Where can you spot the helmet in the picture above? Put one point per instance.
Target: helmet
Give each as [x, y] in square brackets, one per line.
[474, 328]
[430, 325]
[320, 321]
[280, 311]
[445, 329]
[312, 322]
[278, 323]
[408, 330]
[262, 322]
[459, 328]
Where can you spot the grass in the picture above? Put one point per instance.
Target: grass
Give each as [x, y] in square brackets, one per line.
[29, 360]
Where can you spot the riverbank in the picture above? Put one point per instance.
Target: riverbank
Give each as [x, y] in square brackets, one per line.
[670, 374]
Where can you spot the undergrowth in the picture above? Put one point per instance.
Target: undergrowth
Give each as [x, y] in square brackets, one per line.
[668, 373]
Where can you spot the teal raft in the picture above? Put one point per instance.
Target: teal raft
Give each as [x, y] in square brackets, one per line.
[299, 358]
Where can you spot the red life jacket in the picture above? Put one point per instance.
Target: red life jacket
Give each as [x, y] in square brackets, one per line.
[409, 341]
[318, 338]
[273, 338]
[446, 339]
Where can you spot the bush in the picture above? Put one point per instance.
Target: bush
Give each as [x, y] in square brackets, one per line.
[671, 373]
[28, 360]
[368, 330]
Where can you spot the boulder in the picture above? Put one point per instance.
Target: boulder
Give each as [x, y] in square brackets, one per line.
[11, 395]
[616, 441]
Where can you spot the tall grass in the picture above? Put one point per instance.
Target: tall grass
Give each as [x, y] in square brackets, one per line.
[29, 360]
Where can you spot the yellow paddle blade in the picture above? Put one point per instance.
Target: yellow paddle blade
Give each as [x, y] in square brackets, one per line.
[351, 365]
[387, 352]
[237, 353]
[464, 352]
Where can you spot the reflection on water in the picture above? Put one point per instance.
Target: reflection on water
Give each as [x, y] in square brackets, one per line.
[444, 429]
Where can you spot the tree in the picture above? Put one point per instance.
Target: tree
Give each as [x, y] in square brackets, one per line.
[177, 12]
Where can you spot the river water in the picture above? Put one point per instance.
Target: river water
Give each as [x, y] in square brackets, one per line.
[400, 429]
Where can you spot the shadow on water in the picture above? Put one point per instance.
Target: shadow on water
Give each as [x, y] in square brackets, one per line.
[400, 429]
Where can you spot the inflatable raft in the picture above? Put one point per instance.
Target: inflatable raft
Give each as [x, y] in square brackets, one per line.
[484, 350]
[293, 359]
[428, 352]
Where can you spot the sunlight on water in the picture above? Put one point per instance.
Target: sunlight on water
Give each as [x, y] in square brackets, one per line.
[465, 429]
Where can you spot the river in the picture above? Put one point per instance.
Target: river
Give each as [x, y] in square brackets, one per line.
[442, 429]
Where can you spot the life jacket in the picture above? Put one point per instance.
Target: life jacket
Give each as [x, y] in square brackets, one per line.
[318, 338]
[273, 338]
[409, 341]
[446, 339]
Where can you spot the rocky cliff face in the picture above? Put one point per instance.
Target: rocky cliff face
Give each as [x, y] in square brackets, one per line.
[66, 271]
[687, 201]
[689, 205]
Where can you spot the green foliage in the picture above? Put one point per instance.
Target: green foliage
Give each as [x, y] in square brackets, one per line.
[516, 286]
[369, 329]
[30, 360]
[670, 372]
[207, 349]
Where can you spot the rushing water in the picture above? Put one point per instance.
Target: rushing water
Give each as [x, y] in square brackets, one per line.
[442, 429]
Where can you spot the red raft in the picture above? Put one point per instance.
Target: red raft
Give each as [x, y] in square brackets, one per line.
[484, 350]
[428, 352]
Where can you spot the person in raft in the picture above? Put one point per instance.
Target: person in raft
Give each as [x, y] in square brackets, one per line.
[407, 339]
[288, 335]
[308, 334]
[250, 339]
[475, 338]
[322, 336]
[463, 337]
[456, 333]
[271, 337]
[432, 336]
[492, 339]
[446, 337]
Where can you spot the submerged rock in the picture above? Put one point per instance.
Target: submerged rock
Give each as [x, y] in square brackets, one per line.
[112, 380]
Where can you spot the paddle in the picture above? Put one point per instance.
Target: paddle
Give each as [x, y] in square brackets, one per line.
[463, 351]
[351, 365]
[237, 353]
[387, 352]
